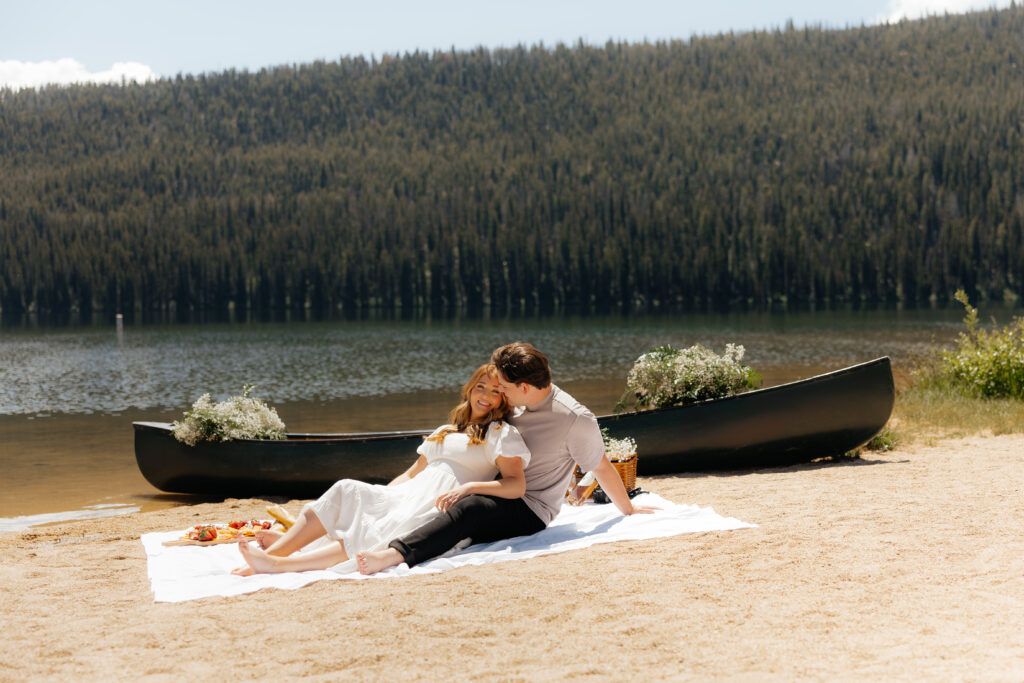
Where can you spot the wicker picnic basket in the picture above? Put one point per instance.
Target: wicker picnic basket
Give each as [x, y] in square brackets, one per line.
[626, 467]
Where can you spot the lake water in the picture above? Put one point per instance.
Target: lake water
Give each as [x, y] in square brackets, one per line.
[68, 395]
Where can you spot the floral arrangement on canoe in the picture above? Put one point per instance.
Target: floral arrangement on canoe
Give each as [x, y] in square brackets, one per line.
[239, 417]
[665, 376]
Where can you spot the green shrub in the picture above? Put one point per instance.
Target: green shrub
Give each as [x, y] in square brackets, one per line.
[665, 376]
[986, 363]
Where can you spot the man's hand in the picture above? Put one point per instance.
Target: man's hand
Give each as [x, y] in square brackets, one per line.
[642, 509]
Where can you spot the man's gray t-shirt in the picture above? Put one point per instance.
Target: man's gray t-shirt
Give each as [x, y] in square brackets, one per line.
[558, 431]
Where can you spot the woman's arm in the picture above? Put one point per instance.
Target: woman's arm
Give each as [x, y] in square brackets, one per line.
[511, 485]
[417, 467]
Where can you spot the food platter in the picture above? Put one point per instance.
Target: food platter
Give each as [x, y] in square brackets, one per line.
[216, 534]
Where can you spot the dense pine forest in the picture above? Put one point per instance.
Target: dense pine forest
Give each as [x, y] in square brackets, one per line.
[872, 164]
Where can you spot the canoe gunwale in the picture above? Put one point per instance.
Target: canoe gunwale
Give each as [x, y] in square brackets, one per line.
[302, 437]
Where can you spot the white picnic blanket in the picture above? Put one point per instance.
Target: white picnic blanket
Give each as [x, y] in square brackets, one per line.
[179, 573]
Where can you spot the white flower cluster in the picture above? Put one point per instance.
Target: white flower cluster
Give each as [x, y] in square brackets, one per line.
[239, 417]
[667, 377]
[619, 449]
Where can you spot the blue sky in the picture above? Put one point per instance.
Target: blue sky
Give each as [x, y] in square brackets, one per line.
[64, 41]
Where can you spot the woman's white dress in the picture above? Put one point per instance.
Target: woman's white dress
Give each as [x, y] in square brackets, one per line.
[369, 516]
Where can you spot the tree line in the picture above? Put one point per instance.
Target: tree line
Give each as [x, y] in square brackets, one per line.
[877, 164]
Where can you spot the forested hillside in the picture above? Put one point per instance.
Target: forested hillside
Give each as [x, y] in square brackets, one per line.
[870, 164]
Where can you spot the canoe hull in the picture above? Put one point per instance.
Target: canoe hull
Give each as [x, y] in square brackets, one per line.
[823, 416]
[819, 417]
[303, 466]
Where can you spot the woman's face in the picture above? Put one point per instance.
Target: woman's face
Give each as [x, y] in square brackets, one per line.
[484, 397]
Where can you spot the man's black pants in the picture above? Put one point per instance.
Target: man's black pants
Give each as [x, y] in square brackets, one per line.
[484, 519]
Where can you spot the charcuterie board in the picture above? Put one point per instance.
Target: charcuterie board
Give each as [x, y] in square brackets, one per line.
[216, 541]
[216, 534]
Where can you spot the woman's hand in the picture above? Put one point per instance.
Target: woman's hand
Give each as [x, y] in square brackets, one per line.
[452, 497]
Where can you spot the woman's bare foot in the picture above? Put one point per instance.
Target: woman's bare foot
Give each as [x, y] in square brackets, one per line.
[266, 538]
[259, 561]
[243, 571]
[378, 561]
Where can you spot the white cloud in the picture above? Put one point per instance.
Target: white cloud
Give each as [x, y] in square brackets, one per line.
[17, 75]
[915, 9]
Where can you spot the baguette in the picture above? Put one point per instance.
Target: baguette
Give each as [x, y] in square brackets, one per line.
[281, 515]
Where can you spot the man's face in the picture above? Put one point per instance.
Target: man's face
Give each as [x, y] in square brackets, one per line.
[513, 392]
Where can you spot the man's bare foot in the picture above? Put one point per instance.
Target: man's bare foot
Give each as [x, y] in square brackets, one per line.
[378, 561]
[258, 561]
[266, 538]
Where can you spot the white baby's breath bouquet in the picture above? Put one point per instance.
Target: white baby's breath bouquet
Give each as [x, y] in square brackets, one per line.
[665, 376]
[239, 417]
[617, 449]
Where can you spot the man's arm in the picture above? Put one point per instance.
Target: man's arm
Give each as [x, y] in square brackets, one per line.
[586, 446]
[611, 484]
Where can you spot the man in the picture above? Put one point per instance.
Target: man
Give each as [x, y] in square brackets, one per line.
[559, 432]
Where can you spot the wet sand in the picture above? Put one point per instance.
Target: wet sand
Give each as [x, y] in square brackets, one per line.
[904, 565]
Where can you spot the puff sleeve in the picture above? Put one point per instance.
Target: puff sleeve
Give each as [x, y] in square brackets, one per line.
[504, 440]
[429, 448]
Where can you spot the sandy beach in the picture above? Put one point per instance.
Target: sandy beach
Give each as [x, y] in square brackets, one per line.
[905, 565]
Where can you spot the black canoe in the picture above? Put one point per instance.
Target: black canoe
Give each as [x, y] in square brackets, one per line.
[822, 416]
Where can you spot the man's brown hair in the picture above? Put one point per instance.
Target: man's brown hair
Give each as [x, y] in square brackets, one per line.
[520, 362]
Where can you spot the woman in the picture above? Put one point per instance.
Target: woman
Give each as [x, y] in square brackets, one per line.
[457, 460]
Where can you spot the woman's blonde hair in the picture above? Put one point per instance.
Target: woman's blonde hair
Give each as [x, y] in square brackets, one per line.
[459, 417]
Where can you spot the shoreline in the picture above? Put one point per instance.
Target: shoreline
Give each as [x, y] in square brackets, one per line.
[907, 564]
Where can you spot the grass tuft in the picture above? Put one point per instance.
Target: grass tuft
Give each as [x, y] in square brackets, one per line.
[943, 411]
